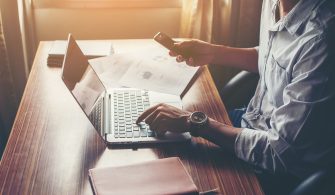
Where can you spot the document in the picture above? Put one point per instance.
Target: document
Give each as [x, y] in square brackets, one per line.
[155, 70]
[150, 68]
[110, 69]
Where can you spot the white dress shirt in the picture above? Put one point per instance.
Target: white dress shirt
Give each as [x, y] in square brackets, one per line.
[289, 123]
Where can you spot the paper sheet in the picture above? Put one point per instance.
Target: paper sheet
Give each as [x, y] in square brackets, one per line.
[153, 69]
[150, 68]
[111, 68]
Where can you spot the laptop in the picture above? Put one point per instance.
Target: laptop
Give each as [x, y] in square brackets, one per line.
[113, 111]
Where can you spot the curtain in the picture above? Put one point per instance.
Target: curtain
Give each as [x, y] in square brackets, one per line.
[247, 22]
[198, 19]
[229, 22]
[27, 27]
[8, 99]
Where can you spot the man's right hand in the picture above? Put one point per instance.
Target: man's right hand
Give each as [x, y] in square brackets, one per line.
[200, 52]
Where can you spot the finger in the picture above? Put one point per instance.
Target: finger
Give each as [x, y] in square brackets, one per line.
[146, 113]
[151, 117]
[190, 62]
[158, 125]
[154, 125]
[172, 53]
[184, 48]
[180, 58]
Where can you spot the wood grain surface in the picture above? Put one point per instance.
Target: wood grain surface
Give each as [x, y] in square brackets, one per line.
[53, 145]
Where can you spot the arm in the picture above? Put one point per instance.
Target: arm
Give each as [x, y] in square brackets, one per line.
[241, 58]
[163, 117]
[221, 134]
[202, 53]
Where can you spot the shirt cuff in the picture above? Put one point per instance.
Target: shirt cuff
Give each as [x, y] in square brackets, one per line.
[247, 145]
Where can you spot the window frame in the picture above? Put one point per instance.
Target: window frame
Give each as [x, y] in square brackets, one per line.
[82, 4]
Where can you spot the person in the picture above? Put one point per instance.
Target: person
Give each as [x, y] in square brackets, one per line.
[287, 128]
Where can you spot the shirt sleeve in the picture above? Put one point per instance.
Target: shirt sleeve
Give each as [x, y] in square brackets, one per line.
[300, 131]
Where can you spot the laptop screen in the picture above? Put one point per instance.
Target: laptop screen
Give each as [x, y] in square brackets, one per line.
[80, 78]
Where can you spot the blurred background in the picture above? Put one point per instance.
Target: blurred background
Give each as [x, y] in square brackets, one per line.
[24, 23]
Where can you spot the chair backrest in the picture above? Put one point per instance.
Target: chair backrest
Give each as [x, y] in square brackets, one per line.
[239, 90]
[320, 183]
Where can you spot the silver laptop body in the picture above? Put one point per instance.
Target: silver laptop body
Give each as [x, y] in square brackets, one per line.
[113, 112]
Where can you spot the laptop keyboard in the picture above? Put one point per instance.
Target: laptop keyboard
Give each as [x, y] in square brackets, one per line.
[127, 106]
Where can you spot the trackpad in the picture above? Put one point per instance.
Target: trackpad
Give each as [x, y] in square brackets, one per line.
[156, 98]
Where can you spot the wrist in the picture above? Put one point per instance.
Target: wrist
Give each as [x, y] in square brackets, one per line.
[206, 131]
[218, 52]
[197, 122]
[220, 134]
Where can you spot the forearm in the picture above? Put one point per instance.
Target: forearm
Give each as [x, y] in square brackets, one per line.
[220, 134]
[251, 145]
[241, 58]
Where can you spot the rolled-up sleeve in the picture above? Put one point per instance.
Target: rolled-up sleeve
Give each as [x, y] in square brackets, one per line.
[300, 135]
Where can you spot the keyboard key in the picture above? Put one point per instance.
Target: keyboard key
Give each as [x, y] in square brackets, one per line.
[136, 134]
[143, 133]
[129, 134]
[129, 129]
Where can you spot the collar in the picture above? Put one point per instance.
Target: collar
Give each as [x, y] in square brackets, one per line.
[296, 17]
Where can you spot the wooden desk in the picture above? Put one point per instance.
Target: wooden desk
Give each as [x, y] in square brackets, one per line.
[52, 144]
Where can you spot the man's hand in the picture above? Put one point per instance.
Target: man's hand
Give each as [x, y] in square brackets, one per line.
[200, 52]
[163, 117]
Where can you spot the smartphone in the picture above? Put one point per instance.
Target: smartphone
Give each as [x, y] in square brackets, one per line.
[168, 43]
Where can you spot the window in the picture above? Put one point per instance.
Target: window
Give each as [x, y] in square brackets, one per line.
[106, 3]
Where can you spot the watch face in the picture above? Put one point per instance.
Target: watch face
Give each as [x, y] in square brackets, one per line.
[198, 117]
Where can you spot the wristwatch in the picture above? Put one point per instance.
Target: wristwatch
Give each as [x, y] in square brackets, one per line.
[198, 120]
